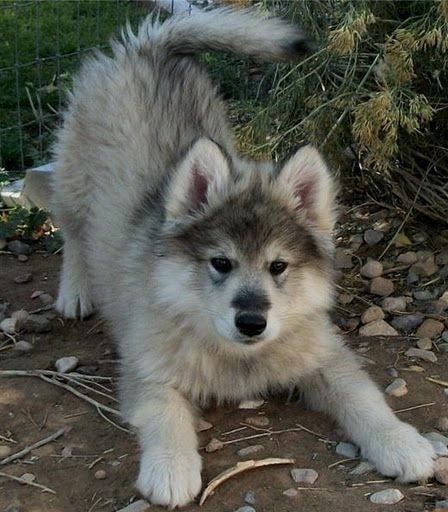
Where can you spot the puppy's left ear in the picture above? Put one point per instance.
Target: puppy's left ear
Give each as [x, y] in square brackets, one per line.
[306, 177]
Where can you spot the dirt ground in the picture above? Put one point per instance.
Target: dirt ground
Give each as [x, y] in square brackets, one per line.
[31, 409]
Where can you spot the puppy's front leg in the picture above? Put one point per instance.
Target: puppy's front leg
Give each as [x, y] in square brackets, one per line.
[170, 465]
[345, 391]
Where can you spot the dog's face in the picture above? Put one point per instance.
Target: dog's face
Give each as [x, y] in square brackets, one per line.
[246, 253]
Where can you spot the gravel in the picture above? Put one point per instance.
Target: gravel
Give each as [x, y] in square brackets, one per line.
[371, 269]
[250, 404]
[377, 328]
[37, 324]
[395, 304]
[371, 314]
[407, 323]
[425, 355]
[441, 470]
[66, 364]
[397, 388]
[372, 237]
[304, 475]
[17, 247]
[381, 286]
[250, 450]
[348, 450]
[430, 328]
[23, 278]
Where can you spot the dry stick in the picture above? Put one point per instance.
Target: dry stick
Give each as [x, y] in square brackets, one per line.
[437, 381]
[80, 395]
[119, 427]
[429, 404]
[26, 450]
[33, 484]
[85, 386]
[38, 373]
[342, 462]
[8, 439]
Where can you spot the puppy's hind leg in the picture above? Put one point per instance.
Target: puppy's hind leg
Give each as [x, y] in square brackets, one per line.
[343, 390]
[74, 298]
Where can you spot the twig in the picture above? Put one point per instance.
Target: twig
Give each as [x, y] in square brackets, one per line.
[437, 381]
[119, 427]
[342, 462]
[98, 459]
[263, 434]
[33, 484]
[236, 470]
[96, 325]
[429, 404]
[38, 373]
[311, 431]
[8, 439]
[26, 450]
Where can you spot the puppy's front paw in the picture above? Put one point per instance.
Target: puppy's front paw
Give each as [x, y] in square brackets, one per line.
[170, 478]
[403, 453]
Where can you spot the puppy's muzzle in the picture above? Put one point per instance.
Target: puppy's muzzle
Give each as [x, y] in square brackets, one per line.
[250, 323]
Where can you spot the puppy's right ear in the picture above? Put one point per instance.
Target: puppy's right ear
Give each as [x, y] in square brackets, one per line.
[203, 173]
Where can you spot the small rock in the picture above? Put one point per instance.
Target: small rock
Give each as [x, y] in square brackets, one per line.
[28, 477]
[445, 336]
[392, 372]
[412, 278]
[442, 423]
[442, 257]
[23, 278]
[435, 436]
[424, 268]
[386, 497]
[342, 259]
[372, 237]
[23, 258]
[87, 370]
[362, 468]
[20, 316]
[37, 324]
[419, 237]
[443, 347]
[46, 299]
[441, 470]
[398, 388]
[415, 368]
[407, 323]
[348, 450]
[250, 497]
[250, 404]
[424, 343]
[17, 247]
[381, 286]
[442, 505]
[439, 448]
[430, 328]
[8, 325]
[5, 451]
[371, 269]
[100, 474]
[442, 303]
[304, 475]
[345, 298]
[37, 293]
[66, 364]
[257, 421]
[356, 241]
[407, 258]
[246, 508]
[291, 492]
[377, 328]
[203, 425]
[425, 355]
[137, 506]
[401, 240]
[371, 314]
[423, 295]
[23, 346]
[250, 450]
[214, 445]
[351, 324]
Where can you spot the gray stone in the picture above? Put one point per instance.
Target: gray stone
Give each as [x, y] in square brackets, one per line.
[250, 450]
[397, 388]
[203, 425]
[100, 474]
[250, 404]
[425, 355]
[17, 247]
[419, 237]
[37, 324]
[46, 299]
[5, 451]
[8, 325]
[291, 493]
[442, 303]
[245, 508]
[362, 468]
[66, 364]
[371, 269]
[381, 286]
[430, 328]
[257, 421]
[372, 237]
[386, 497]
[304, 475]
[348, 450]
[424, 343]
[23, 258]
[28, 477]
[441, 470]
[250, 498]
[371, 314]
[435, 436]
[391, 304]
[423, 295]
[23, 346]
[442, 257]
[443, 347]
[407, 323]
[345, 298]
[342, 259]
[412, 278]
[137, 506]
[214, 445]
[407, 258]
[23, 278]
[440, 449]
[424, 268]
[442, 504]
[445, 336]
[377, 328]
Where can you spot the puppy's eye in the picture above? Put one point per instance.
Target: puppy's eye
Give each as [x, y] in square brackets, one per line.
[277, 267]
[222, 265]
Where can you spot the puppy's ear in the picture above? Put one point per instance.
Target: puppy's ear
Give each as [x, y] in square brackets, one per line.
[306, 177]
[200, 176]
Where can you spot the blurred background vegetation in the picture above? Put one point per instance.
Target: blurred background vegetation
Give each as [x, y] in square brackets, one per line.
[373, 97]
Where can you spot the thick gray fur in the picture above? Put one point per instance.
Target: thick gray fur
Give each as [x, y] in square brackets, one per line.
[148, 190]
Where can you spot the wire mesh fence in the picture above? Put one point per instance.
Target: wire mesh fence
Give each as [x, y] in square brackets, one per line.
[42, 44]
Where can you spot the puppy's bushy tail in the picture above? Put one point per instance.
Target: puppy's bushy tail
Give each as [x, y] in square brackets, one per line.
[244, 32]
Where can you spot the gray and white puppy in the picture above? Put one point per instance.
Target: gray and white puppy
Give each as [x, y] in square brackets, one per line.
[213, 273]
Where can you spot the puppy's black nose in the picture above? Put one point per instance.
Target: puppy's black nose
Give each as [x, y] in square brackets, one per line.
[250, 324]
